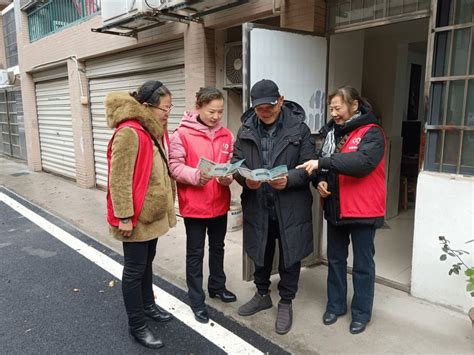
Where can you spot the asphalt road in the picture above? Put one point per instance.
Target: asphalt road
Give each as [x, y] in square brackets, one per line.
[54, 300]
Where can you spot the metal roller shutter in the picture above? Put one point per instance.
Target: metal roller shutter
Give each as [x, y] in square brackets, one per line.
[159, 56]
[126, 72]
[55, 127]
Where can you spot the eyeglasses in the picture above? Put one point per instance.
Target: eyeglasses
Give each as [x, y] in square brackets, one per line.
[165, 110]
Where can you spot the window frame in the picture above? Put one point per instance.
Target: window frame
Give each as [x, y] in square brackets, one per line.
[435, 142]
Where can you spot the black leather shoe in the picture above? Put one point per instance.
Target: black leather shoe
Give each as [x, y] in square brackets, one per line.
[357, 327]
[225, 296]
[331, 318]
[145, 336]
[201, 315]
[157, 313]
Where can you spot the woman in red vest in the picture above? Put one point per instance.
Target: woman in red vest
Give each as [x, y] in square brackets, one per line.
[203, 201]
[351, 182]
[140, 201]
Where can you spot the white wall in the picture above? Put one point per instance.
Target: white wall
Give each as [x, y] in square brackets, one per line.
[385, 65]
[346, 60]
[400, 93]
[299, 70]
[444, 206]
[385, 84]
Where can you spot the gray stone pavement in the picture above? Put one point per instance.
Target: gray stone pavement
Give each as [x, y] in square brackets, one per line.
[401, 323]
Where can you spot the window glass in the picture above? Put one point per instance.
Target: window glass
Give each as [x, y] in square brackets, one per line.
[455, 103]
[437, 100]
[469, 119]
[460, 51]
[441, 54]
[464, 11]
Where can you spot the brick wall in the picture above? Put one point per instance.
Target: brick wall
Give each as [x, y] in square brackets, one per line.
[29, 104]
[199, 60]
[30, 122]
[251, 11]
[81, 125]
[81, 42]
[304, 15]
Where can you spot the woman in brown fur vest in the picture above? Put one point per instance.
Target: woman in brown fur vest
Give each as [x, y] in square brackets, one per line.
[140, 198]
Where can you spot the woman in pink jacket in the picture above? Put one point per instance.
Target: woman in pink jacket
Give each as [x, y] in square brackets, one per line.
[203, 200]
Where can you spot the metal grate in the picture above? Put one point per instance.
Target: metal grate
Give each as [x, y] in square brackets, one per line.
[345, 14]
[9, 36]
[12, 134]
[55, 15]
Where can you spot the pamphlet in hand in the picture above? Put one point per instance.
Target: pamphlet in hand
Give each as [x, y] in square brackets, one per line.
[263, 175]
[210, 168]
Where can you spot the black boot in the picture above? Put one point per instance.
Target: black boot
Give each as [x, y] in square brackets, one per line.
[357, 327]
[225, 296]
[201, 315]
[145, 336]
[157, 313]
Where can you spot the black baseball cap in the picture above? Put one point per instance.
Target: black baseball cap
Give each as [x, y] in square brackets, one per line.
[264, 92]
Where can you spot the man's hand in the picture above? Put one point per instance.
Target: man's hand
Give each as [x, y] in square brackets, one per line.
[323, 189]
[225, 180]
[309, 166]
[253, 185]
[125, 228]
[204, 179]
[279, 184]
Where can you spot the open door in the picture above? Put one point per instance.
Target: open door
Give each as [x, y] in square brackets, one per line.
[297, 62]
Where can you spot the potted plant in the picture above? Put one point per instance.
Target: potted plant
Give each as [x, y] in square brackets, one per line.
[457, 267]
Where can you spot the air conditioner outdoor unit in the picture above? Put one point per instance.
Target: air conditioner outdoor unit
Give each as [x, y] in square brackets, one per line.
[233, 65]
[117, 11]
[114, 11]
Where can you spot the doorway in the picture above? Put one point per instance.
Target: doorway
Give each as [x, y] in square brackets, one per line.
[387, 65]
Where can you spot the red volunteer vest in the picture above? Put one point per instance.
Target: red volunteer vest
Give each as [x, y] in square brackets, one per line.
[141, 172]
[213, 199]
[362, 197]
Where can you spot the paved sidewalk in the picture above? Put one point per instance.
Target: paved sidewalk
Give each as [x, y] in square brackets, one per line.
[401, 323]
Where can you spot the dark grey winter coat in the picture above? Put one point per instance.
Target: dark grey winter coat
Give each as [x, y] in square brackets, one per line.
[293, 145]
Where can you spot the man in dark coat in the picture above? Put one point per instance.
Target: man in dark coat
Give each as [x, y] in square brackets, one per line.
[273, 133]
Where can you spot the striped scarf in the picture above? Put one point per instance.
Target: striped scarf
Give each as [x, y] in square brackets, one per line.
[330, 142]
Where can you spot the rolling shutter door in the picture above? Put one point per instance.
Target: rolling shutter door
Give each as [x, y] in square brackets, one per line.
[126, 72]
[55, 127]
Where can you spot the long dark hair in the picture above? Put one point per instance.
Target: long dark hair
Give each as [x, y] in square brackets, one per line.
[151, 92]
[349, 95]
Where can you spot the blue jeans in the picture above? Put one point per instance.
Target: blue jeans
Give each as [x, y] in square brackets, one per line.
[363, 272]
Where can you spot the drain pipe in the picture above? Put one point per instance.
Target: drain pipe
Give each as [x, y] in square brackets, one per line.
[276, 11]
[84, 99]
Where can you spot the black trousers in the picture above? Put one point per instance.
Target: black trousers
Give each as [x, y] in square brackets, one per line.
[195, 237]
[137, 279]
[363, 272]
[289, 277]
